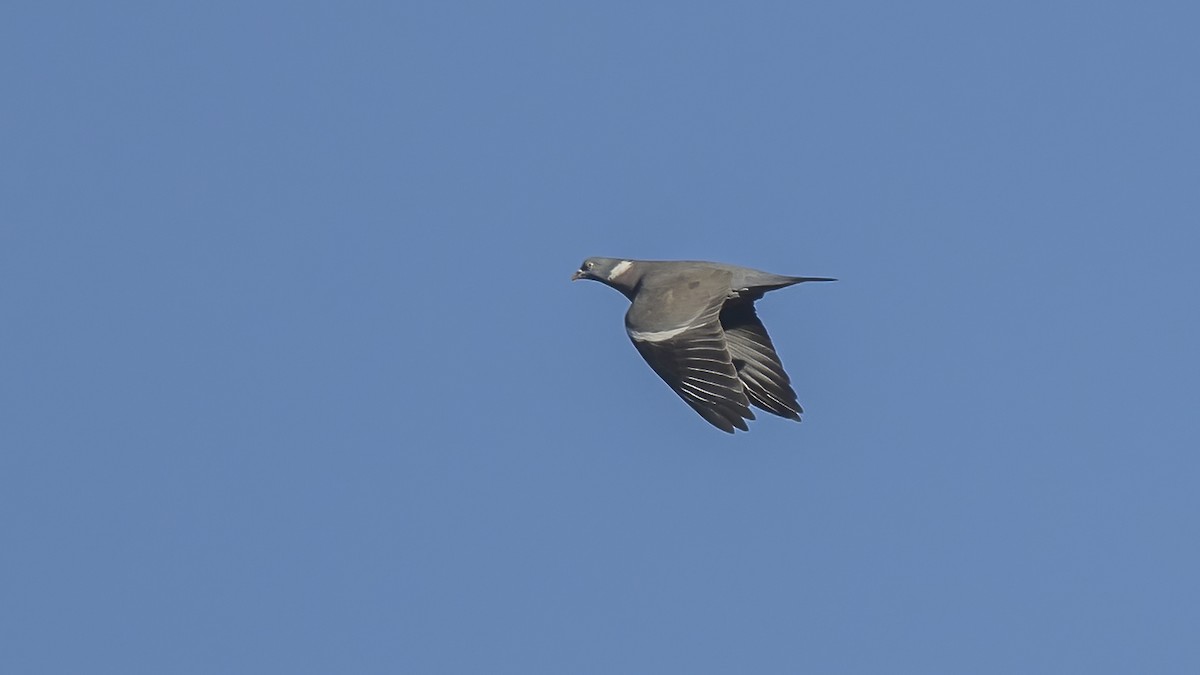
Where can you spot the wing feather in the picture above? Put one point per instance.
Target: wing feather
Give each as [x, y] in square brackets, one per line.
[757, 364]
[697, 366]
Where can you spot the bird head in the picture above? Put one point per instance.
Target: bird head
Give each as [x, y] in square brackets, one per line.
[596, 269]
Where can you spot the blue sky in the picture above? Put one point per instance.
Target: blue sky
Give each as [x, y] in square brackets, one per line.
[294, 379]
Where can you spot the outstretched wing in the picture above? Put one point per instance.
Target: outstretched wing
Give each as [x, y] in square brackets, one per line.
[696, 364]
[756, 362]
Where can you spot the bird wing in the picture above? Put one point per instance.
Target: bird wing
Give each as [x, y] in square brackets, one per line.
[757, 364]
[676, 328]
[696, 364]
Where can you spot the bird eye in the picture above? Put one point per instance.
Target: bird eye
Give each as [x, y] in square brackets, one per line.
[588, 265]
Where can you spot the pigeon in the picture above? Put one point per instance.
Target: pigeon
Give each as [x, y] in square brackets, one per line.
[694, 323]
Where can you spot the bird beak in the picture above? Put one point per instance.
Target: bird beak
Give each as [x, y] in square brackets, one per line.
[577, 275]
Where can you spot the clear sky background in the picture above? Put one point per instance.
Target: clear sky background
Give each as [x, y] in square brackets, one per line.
[293, 379]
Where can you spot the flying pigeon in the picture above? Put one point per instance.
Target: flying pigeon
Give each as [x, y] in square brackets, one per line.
[694, 323]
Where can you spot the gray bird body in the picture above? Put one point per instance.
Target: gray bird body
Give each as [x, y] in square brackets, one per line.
[694, 323]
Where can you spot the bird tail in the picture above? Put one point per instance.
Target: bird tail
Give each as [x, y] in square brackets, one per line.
[777, 281]
[753, 286]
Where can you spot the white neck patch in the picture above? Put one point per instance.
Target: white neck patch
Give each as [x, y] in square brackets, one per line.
[619, 269]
